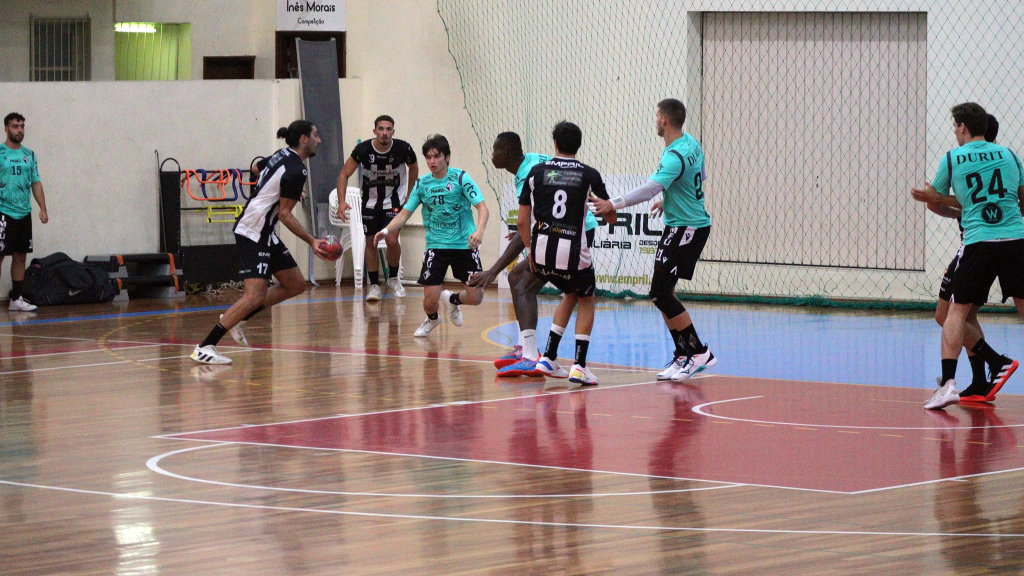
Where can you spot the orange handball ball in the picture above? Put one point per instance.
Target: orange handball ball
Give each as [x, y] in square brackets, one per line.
[333, 248]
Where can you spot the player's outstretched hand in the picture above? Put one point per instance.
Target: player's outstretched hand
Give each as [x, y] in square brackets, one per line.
[512, 234]
[481, 279]
[378, 237]
[656, 209]
[319, 249]
[600, 206]
[476, 239]
[342, 210]
[926, 193]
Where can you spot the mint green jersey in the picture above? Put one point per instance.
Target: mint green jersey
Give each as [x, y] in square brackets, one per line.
[984, 177]
[447, 208]
[681, 174]
[18, 171]
[530, 160]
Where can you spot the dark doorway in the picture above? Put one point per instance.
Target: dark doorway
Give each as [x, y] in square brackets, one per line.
[288, 60]
[229, 67]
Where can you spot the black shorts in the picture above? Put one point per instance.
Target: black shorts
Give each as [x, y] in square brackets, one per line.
[464, 263]
[15, 235]
[980, 265]
[377, 220]
[258, 261]
[679, 250]
[581, 282]
[946, 288]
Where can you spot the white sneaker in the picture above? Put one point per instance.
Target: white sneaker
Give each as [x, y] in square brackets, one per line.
[582, 375]
[551, 368]
[672, 369]
[238, 332]
[454, 314]
[694, 365]
[944, 396]
[427, 326]
[209, 355]
[21, 305]
[396, 287]
[373, 294]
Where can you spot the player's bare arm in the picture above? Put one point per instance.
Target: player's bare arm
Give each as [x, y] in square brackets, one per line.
[290, 222]
[477, 237]
[346, 172]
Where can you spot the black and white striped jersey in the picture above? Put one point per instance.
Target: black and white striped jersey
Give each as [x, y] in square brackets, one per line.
[283, 175]
[558, 191]
[385, 178]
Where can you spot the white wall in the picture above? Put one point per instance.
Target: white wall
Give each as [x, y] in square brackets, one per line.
[220, 28]
[14, 34]
[97, 144]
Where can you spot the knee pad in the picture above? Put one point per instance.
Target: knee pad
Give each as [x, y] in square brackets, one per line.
[663, 293]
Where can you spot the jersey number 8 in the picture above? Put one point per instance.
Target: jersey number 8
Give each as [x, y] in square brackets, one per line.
[558, 210]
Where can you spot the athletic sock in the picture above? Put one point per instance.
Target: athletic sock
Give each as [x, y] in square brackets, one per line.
[948, 370]
[392, 271]
[978, 375]
[990, 356]
[215, 335]
[692, 341]
[528, 340]
[17, 286]
[582, 344]
[254, 312]
[454, 298]
[554, 339]
[374, 277]
[677, 341]
[432, 316]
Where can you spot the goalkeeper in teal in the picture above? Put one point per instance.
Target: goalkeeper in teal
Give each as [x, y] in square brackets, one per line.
[987, 181]
[19, 182]
[680, 177]
[507, 154]
[448, 196]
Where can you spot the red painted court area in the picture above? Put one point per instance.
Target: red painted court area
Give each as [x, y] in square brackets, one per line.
[811, 436]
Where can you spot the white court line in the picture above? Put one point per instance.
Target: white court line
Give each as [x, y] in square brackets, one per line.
[154, 465]
[97, 350]
[86, 339]
[950, 479]
[332, 352]
[107, 363]
[504, 463]
[598, 367]
[698, 410]
[515, 522]
[176, 436]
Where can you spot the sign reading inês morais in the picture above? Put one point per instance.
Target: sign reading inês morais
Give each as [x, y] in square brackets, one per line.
[311, 15]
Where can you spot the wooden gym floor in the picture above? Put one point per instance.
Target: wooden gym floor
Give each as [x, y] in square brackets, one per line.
[338, 443]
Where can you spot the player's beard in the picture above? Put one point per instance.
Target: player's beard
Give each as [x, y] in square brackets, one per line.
[16, 138]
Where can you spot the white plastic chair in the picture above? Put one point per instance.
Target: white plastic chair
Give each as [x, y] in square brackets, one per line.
[354, 240]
